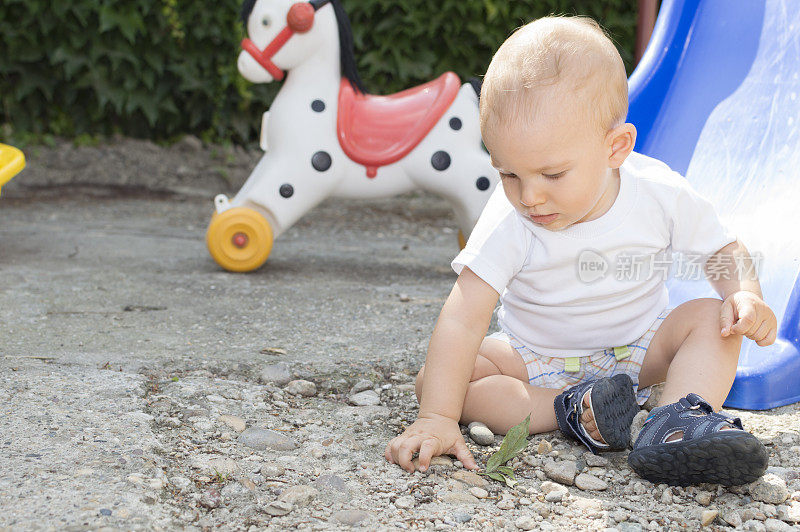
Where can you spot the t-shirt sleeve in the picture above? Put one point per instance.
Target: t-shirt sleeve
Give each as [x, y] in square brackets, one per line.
[696, 227]
[498, 245]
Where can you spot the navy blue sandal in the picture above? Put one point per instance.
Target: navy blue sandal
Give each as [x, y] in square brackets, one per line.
[613, 404]
[705, 453]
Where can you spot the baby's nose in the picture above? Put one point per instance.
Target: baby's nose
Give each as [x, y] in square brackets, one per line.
[531, 196]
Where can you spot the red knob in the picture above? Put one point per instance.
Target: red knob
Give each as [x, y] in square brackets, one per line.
[300, 17]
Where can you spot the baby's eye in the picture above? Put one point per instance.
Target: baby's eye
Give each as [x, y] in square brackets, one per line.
[555, 176]
[507, 176]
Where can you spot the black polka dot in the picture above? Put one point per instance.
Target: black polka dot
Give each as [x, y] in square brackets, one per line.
[455, 123]
[482, 183]
[440, 160]
[287, 190]
[318, 106]
[321, 161]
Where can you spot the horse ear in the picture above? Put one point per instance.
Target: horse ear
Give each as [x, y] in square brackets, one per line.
[300, 17]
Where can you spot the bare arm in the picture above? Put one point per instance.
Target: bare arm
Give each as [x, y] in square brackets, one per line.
[732, 269]
[454, 344]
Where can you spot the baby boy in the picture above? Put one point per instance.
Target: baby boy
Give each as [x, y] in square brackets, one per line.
[580, 339]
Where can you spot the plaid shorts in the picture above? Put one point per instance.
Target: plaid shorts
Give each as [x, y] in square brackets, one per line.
[562, 373]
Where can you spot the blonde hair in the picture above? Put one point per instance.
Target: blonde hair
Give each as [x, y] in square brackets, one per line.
[567, 61]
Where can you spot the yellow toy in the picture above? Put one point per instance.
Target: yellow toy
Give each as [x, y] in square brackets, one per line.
[11, 162]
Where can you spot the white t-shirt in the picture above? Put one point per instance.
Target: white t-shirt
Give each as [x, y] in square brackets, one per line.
[577, 290]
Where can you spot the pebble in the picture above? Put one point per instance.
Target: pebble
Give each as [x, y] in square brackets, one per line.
[548, 486]
[479, 492]
[481, 434]
[441, 461]
[754, 526]
[638, 423]
[275, 373]
[655, 396]
[595, 460]
[703, 498]
[331, 483]
[589, 482]
[136, 480]
[365, 398]
[458, 497]
[708, 516]
[732, 517]
[461, 516]
[774, 525]
[405, 502]
[506, 504]
[360, 386]
[469, 478]
[351, 517]
[271, 470]
[666, 497]
[526, 523]
[555, 496]
[770, 489]
[298, 495]
[544, 447]
[790, 513]
[222, 466]
[210, 498]
[182, 483]
[563, 472]
[302, 387]
[278, 508]
[262, 439]
[236, 423]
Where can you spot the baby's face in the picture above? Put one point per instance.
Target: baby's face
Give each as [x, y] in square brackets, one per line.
[557, 172]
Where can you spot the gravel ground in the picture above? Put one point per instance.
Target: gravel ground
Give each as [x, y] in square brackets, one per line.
[142, 388]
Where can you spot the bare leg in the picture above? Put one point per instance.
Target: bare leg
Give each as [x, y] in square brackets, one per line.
[499, 394]
[501, 402]
[690, 354]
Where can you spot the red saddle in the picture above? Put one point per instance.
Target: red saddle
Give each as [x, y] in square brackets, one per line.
[378, 130]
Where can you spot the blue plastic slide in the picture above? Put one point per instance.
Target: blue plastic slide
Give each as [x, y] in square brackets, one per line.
[717, 97]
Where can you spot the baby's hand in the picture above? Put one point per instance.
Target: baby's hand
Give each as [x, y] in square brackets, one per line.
[431, 435]
[745, 313]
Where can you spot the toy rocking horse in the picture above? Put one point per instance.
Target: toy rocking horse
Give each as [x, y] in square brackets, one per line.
[324, 135]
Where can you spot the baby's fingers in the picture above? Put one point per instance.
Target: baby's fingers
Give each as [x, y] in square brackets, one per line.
[463, 454]
[403, 452]
[746, 324]
[765, 335]
[727, 316]
[428, 450]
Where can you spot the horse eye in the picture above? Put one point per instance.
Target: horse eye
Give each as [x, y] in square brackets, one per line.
[265, 21]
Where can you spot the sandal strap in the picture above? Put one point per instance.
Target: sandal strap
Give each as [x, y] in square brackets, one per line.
[568, 407]
[691, 415]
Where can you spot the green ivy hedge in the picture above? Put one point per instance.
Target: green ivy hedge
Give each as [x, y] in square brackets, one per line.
[163, 68]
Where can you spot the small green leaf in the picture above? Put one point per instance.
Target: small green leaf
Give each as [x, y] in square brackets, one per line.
[507, 471]
[496, 476]
[515, 441]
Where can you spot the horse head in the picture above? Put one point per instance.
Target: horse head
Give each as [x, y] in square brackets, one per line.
[282, 34]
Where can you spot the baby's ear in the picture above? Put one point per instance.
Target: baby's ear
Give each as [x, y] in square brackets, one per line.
[620, 142]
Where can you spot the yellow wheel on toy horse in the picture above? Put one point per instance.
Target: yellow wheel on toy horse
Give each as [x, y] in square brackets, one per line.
[239, 239]
[11, 162]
